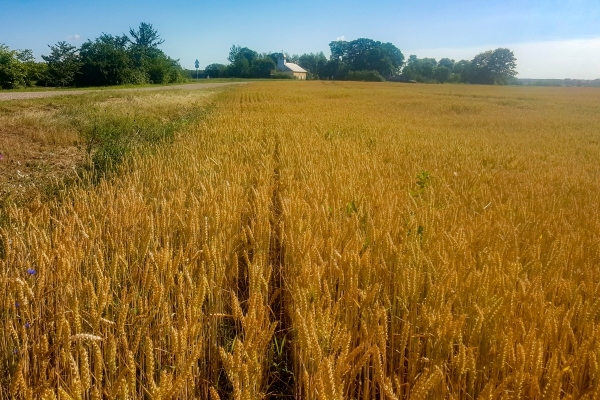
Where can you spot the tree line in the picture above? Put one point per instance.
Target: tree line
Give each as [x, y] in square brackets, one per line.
[361, 59]
[116, 60]
[487, 68]
[106, 60]
[244, 63]
[369, 60]
[559, 82]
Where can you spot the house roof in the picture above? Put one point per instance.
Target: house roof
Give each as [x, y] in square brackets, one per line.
[294, 67]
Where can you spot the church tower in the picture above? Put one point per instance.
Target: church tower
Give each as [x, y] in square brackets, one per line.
[281, 62]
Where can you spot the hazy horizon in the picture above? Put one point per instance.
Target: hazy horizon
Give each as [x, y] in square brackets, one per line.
[553, 39]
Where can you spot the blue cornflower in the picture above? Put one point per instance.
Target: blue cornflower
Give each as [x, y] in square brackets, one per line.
[27, 325]
[30, 271]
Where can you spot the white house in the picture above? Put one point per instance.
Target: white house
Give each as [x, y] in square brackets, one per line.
[294, 69]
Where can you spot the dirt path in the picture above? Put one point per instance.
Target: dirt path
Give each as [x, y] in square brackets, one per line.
[51, 93]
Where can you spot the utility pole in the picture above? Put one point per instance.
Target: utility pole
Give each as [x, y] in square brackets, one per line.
[197, 64]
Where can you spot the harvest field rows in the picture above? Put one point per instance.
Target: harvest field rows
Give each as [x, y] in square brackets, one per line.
[322, 240]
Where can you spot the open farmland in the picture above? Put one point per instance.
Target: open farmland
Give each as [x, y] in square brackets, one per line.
[322, 240]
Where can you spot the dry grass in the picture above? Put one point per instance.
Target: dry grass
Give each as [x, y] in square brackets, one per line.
[324, 241]
[45, 141]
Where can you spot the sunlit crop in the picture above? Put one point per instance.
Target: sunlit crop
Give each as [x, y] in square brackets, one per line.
[323, 240]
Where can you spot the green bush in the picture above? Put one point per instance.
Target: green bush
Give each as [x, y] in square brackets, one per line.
[110, 137]
[282, 75]
[367, 76]
[12, 71]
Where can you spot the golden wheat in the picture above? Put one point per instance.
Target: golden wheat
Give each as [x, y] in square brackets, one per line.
[322, 240]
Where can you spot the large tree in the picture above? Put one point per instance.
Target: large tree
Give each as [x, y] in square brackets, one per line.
[420, 69]
[146, 36]
[236, 53]
[441, 74]
[12, 70]
[239, 69]
[159, 68]
[462, 69]
[335, 69]
[216, 70]
[105, 61]
[35, 72]
[150, 62]
[367, 54]
[63, 64]
[314, 64]
[493, 67]
[241, 59]
[247, 63]
[262, 67]
[446, 62]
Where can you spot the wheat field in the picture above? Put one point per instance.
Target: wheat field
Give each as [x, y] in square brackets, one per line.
[323, 240]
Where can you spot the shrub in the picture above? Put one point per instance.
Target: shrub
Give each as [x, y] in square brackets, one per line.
[12, 71]
[282, 75]
[367, 76]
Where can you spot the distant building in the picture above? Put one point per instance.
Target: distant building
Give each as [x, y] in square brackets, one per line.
[294, 69]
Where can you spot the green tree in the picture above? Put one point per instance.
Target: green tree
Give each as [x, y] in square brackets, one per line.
[216, 70]
[106, 61]
[503, 66]
[233, 53]
[238, 69]
[274, 57]
[146, 36]
[162, 69]
[339, 50]
[313, 63]
[365, 76]
[446, 62]
[12, 70]
[395, 56]
[34, 71]
[242, 60]
[427, 66]
[411, 70]
[152, 64]
[462, 69]
[335, 69]
[480, 69]
[420, 69]
[37, 73]
[292, 58]
[63, 64]
[493, 67]
[262, 67]
[441, 74]
[461, 66]
[144, 46]
[237, 53]
[368, 55]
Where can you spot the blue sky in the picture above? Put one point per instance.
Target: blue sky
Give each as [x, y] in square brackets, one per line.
[551, 38]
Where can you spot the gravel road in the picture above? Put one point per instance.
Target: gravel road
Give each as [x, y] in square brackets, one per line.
[51, 93]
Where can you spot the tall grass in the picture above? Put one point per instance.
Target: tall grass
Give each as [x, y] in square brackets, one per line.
[47, 142]
[323, 241]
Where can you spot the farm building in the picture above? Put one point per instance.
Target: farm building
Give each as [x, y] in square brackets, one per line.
[294, 69]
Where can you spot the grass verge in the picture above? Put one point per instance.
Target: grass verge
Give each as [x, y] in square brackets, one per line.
[47, 144]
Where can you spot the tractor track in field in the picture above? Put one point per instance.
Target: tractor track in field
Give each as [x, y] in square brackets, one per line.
[52, 93]
[282, 378]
